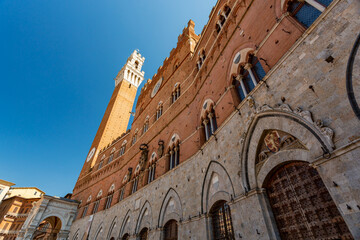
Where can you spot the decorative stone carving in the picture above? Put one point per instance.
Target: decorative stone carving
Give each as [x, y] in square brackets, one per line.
[144, 156]
[127, 177]
[264, 108]
[160, 151]
[304, 114]
[283, 107]
[275, 141]
[327, 132]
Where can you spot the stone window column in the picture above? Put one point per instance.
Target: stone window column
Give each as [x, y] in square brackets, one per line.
[211, 117]
[242, 85]
[171, 159]
[248, 67]
[174, 96]
[316, 5]
[176, 158]
[177, 92]
[205, 122]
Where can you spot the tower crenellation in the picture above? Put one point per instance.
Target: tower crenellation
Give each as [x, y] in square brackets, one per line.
[131, 72]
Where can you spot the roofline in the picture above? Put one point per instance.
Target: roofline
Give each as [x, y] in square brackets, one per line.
[6, 183]
[28, 188]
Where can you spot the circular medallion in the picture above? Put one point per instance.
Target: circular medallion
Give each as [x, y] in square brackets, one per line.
[91, 154]
[156, 87]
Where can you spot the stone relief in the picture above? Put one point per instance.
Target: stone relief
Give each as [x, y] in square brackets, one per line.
[144, 156]
[160, 150]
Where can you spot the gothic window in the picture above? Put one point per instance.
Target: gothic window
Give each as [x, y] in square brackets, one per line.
[159, 110]
[249, 76]
[111, 158]
[85, 210]
[176, 93]
[144, 234]
[109, 200]
[122, 149]
[100, 164]
[146, 125]
[223, 16]
[307, 11]
[201, 59]
[209, 124]
[135, 185]
[171, 230]
[136, 64]
[221, 221]
[134, 139]
[174, 158]
[121, 194]
[152, 170]
[96, 206]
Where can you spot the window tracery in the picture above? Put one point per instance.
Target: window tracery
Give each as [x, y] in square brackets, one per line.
[175, 93]
[201, 60]
[223, 16]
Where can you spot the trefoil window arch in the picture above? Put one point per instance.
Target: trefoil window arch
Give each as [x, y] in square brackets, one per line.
[209, 123]
[175, 93]
[159, 110]
[249, 76]
[174, 156]
[201, 60]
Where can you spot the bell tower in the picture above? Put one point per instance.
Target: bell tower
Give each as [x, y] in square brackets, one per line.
[117, 114]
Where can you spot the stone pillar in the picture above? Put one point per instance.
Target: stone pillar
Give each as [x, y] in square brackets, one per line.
[63, 235]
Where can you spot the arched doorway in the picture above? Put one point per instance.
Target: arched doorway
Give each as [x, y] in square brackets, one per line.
[48, 229]
[221, 222]
[171, 230]
[302, 206]
[143, 234]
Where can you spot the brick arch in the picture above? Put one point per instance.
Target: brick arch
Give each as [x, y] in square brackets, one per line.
[112, 226]
[144, 221]
[287, 122]
[210, 194]
[166, 213]
[125, 225]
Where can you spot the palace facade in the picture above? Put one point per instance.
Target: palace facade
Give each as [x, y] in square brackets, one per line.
[244, 132]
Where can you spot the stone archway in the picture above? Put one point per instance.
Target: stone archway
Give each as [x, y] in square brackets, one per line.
[50, 218]
[302, 205]
[48, 229]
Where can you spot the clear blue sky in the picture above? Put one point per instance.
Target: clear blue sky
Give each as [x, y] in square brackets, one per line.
[58, 60]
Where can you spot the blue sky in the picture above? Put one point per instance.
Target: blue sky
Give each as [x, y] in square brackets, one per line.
[58, 60]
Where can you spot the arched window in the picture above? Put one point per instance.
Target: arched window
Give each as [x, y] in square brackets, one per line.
[110, 196]
[135, 185]
[136, 64]
[175, 93]
[146, 125]
[122, 149]
[85, 210]
[307, 11]
[134, 139]
[96, 206]
[100, 164]
[144, 234]
[171, 230]
[202, 58]
[121, 194]
[111, 155]
[249, 76]
[223, 16]
[159, 110]
[174, 156]
[221, 221]
[209, 123]
[151, 176]
[126, 237]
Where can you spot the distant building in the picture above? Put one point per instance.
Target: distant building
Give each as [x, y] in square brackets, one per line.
[244, 132]
[14, 210]
[4, 188]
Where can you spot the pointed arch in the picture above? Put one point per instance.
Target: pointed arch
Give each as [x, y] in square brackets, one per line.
[99, 231]
[125, 225]
[170, 211]
[145, 218]
[112, 226]
[298, 123]
[213, 189]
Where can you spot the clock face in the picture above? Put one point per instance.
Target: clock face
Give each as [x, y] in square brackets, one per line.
[156, 87]
[91, 154]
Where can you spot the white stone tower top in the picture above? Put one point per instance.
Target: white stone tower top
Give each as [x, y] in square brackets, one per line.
[131, 72]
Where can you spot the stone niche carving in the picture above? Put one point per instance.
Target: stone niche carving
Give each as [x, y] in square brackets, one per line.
[160, 151]
[274, 141]
[144, 156]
